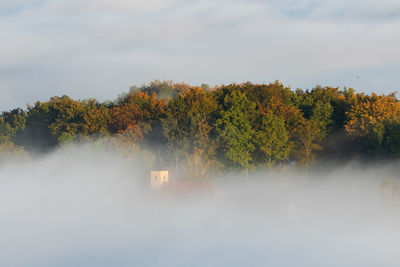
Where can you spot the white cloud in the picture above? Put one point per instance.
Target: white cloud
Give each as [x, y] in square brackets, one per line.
[99, 48]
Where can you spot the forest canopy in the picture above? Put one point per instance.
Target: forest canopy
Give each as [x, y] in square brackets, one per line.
[232, 127]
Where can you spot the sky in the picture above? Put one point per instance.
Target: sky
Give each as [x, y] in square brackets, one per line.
[98, 48]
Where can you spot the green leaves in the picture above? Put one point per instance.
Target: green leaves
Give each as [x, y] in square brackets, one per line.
[11, 124]
[273, 139]
[188, 129]
[238, 126]
[235, 130]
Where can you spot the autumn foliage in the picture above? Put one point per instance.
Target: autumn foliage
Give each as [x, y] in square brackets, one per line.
[196, 129]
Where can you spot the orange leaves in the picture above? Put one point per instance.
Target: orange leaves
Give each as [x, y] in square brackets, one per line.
[291, 114]
[132, 120]
[128, 121]
[148, 103]
[368, 111]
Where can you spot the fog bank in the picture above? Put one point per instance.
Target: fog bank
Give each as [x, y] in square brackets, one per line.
[81, 207]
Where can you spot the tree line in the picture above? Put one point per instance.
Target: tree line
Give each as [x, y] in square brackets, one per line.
[228, 127]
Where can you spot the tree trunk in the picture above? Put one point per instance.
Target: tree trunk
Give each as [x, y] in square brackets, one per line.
[269, 163]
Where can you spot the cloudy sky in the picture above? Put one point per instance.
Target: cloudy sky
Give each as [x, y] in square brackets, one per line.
[99, 48]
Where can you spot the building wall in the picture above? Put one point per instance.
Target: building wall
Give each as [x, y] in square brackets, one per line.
[157, 179]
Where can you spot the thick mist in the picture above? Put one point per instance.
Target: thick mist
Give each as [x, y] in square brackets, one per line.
[84, 207]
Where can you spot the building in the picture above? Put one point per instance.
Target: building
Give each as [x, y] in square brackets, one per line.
[160, 181]
[157, 179]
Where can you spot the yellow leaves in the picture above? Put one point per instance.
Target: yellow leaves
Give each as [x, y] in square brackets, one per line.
[10, 151]
[368, 111]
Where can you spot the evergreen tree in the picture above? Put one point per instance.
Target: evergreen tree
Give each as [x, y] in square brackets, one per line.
[235, 130]
[273, 139]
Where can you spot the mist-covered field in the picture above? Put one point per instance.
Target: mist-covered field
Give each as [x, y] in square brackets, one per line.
[80, 207]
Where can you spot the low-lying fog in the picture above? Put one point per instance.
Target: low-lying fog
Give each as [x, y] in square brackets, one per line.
[79, 207]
